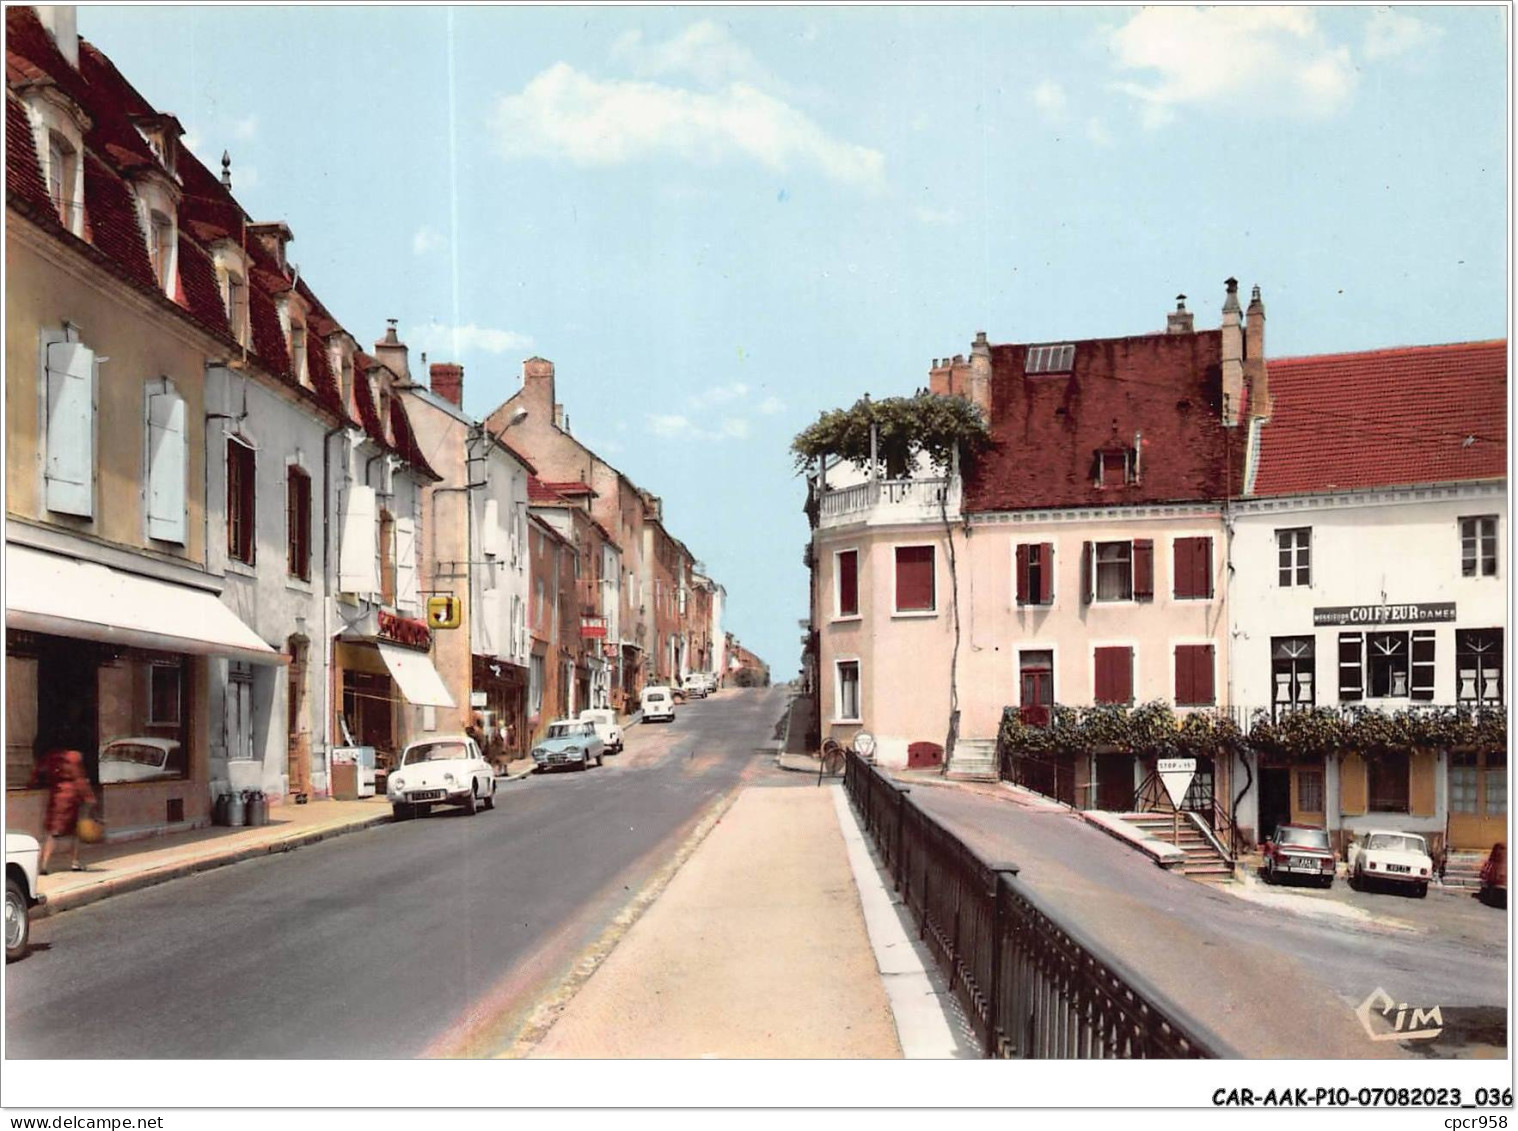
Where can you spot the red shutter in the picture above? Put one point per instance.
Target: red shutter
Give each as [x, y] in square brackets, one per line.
[1202, 675]
[1143, 569]
[1180, 579]
[1101, 692]
[914, 578]
[1124, 663]
[1193, 675]
[848, 583]
[1193, 567]
[1204, 567]
[1023, 596]
[1114, 675]
[1046, 573]
[1086, 552]
[1185, 689]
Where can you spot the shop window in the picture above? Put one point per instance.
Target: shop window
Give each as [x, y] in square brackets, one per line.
[1388, 776]
[1114, 675]
[1193, 568]
[1478, 546]
[143, 723]
[368, 715]
[915, 587]
[848, 582]
[1478, 666]
[1035, 573]
[165, 682]
[1496, 783]
[20, 718]
[847, 706]
[1294, 556]
[241, 501]
[1310, 789]
[298, 523]
[1292, 672]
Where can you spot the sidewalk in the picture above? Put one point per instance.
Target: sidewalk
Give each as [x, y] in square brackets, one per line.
[114, 869]
[756, 949]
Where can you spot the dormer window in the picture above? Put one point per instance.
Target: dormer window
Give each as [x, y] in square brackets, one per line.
[58, 127]
[157, 211]
[341, 360]
[1116, 467]
[161, 249]
[234, 293]
[298, 353]
[1050, 359]
[162, 133]
[62, 177]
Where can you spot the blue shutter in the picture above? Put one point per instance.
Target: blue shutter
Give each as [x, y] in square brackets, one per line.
[166, 467]
[70, 467]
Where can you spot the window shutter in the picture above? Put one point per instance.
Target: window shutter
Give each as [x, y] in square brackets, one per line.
[1185, 675]
[358, 564]
[848, 583]
[1123, 664]
[1143, 569]
[1353, 786]
[1101, 691]
[1114, 675]
[493, 536]
[487, 623]
[1202, 688]
[405, 564]
[1088, 550]
[1046, 573]
[1351, 667]
[1422, 666]
[70, 468]
[914, 578]
[1203, 563]
[1023, 596]
[166, 467]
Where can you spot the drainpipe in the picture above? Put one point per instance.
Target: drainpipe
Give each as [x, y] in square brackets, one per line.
[331, 702]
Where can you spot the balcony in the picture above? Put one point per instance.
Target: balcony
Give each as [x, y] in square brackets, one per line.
[885, 501]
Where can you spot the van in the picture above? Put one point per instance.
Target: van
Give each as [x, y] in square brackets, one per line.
[658, 703]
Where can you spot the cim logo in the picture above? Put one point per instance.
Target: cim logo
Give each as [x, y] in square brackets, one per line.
[1397, 1022]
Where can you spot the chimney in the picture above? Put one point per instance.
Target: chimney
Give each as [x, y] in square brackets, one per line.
[448, 382]
[1254, 356]
[62, 24]
[1180, 320]
[272, 237]
[537, 387]
[1233, 356]
[391, 352]
[980, 375]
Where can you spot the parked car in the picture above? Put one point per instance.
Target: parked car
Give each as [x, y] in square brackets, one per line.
[694, 686]
[21, 894]
[1391, 856]
[707, 680]
[139, 759]
[569, 742]
[1494, 876]
[604, 719]
[1299, 850]
[658, 703]
[442, 770]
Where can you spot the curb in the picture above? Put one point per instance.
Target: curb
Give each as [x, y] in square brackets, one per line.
[82, 897]
[1164, 855]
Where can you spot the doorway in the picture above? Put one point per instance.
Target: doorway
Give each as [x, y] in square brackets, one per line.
[298, 750]
[1114, 783]
[68, 700]
[1275, 799]
[1477, 798]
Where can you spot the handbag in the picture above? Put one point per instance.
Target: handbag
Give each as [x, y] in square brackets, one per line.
[89, 829]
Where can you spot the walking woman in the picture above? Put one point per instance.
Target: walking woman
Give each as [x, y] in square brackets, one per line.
[62, 773]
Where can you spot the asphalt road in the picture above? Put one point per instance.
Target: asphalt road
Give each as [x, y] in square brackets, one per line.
[424, 937]
[1276, 972]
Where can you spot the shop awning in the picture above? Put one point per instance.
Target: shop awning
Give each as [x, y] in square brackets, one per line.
[417, 678]
[88, 601]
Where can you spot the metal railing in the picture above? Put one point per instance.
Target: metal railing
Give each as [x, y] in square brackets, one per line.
[1030, 985]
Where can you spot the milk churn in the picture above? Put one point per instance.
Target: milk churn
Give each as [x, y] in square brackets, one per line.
[258, 809]
[236, 811]
[219, 810]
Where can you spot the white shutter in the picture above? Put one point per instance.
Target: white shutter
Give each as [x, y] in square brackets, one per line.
[358, 560]
[489, 621]
[405, 564]
[492, 540]
[70, 470]
[166, 467]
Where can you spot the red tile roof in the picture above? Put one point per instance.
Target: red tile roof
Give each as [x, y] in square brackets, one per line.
[1419, 414]
[113, 223]
[573, 488]
[541, 494]
[199, 292]
[23, 171]
[1047, 428]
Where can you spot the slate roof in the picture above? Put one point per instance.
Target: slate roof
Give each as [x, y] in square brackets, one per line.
[1391, 417]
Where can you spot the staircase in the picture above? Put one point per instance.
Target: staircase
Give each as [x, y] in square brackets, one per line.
[1203, 861]
[974, 760]
[1463, 870]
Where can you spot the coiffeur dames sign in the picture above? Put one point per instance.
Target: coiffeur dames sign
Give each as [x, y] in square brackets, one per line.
[1422, 613]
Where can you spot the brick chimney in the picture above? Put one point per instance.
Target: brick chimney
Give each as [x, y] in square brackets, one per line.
[980, 375]
[537, 387]
[1233, 356]
[391, 352]
[1254, 356]
[1180, 320]
[448, 382]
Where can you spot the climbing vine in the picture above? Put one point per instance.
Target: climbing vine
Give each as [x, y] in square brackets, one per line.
[904, 427]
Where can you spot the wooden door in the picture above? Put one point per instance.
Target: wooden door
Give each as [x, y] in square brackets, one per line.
[298, 748]
[1477, 798]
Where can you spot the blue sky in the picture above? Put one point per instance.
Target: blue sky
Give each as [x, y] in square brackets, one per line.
[719, 221]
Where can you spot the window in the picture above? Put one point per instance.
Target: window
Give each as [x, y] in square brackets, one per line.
[1387, 776]
[1478, 546]
[167, 464]
[298, 523]
[1194, 683]
[535, 674]
[915, 590]
[165, 682]
[1035, 573]
[1192, 569]
[846, 571]
[69, 470]
[1036, 676]
[1116, 467]
[1294, 556]
[1310, 789]
[1114, 675]
[1463, 770]
[1114, 571]
[236, 295]
[848, 691]
[1496, 783]
[1050, 359]
[1292, 673]
[1421, 682]
[62, 179]
[298, 353]
[1387, 658]
[161, 249]
[1478, 665]
[238, 716]
[241, 499]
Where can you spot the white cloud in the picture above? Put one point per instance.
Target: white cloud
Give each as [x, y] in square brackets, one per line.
[590, 122]
[936, 216]
[1265, 60]
[771, 405]
[704, 51]
[1096, 132]
[245, 128]
[720, 394]
[1391, 33]
[678, 427]
[1049, 97]
[454, 342]
[426, 239]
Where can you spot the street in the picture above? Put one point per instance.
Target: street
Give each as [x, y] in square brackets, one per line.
[429, 937]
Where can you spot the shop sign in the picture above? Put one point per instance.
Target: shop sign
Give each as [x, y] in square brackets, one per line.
[404, 630]
[479, 699]
[1417, 613]
[444, 611]
[592, 628]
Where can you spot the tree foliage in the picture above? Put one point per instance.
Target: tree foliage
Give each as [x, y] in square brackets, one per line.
[905, 426]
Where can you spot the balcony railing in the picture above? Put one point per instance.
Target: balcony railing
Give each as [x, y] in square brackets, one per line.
[890, 500]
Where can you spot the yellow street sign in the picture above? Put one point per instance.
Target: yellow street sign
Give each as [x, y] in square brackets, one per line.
[444, 612]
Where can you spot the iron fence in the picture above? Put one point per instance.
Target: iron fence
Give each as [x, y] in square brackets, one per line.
[1030, 985]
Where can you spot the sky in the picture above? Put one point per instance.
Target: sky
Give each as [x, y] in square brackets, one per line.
[718, 222]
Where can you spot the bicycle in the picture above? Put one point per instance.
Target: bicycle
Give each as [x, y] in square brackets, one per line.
[835, 755]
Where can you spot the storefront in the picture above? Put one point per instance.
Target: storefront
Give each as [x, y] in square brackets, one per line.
[499, 698]
[387, 685]
[115, 665]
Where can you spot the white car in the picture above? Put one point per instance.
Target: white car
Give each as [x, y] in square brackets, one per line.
[1392, 856]
[658, 703]
[21, 894]
[139, 759]
[604, 719]
[444, 770]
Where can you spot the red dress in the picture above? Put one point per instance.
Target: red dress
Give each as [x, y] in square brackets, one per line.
[62, 771]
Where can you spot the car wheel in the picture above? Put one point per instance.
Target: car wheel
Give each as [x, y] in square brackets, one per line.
[471, 803]
[584, 763]
[1357, 879]
[1327, 882]
[1421, 891]
[601, 759]
[18, 925]
[489, 800]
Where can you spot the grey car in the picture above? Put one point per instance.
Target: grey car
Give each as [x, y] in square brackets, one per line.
[569, 742]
